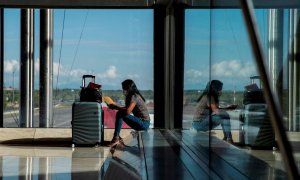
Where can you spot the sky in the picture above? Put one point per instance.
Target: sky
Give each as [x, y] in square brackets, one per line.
[115, 45]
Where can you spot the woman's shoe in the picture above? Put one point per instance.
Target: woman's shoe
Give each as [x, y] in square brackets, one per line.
[229, 140]
[114, 141]
[121, 141]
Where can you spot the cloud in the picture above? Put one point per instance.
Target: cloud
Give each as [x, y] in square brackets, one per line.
[193, 73]
[232, 68]
[229, 71]
[194, 76]
[133, 76]
[37, 65]
[11, 66]
[111, 72]
[66, 77]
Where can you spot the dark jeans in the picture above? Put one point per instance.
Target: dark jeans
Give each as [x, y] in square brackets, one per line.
[132, 121]
[216, 120]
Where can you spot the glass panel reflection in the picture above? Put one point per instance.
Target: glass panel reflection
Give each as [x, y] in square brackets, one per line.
[227, 58]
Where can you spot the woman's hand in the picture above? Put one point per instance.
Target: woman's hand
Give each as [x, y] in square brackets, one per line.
[113, 106]
[127, 110]
[232, 106]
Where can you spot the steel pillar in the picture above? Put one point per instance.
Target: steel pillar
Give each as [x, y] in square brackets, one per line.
[26, 68]
[1, 64]
[275, 51]
[46, 67]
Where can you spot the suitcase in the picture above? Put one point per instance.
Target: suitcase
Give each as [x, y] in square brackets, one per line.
[85, 78]
[87, 120]
[87, 123]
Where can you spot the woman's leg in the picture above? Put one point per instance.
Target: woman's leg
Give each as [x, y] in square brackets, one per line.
[216, 120]
[118, 123]
[226, 126]
[132, 121]
[202, 125]
[136, 123]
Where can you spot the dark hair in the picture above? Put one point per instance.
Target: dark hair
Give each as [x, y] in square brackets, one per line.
[212, 89]
[130, 86]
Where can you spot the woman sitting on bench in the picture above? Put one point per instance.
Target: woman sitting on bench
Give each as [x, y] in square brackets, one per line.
[208, 108]
[134, 114]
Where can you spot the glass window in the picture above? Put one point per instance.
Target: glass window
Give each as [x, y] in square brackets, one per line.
[11, 67]
[112, 45]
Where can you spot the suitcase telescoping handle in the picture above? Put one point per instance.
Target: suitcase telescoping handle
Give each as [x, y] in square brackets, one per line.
[84, 77]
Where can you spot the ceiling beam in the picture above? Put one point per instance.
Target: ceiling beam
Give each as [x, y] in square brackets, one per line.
[98, 4]
[95, 4]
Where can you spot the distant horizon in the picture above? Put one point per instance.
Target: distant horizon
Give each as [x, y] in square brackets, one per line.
[225, 90]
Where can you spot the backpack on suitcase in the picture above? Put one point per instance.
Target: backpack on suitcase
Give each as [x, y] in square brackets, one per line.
[87, 119]
[92, 92]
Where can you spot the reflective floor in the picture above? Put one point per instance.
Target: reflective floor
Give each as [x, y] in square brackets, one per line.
[42, 161]
[31, 162]
[30, 153]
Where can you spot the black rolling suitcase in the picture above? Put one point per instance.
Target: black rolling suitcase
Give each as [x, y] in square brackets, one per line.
[87, 120]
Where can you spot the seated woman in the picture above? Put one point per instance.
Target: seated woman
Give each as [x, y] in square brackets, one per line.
[208, 108]
[134, 114]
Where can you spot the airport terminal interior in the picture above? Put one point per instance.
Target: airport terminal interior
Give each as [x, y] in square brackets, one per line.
[174, 51]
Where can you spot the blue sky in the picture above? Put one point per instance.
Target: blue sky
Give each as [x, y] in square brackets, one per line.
[118, 44]
[115, 45]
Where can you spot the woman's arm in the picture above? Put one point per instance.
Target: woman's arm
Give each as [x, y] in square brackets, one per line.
[116, 106]
[130, 107]
[215, 108]
[120, 108]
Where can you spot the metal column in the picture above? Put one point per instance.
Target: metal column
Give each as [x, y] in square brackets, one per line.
[275, 51]
[169, 66]
[296, 73]
[179, 65]
[46, 67]
[294, 70]
[168, 63]
[1, 64]
[159, 69]
[26, 68]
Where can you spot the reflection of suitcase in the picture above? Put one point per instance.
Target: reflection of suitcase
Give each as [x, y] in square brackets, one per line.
[258, 131]
[87, 123]
[90, 171]
[119, 169]
[253, 96]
